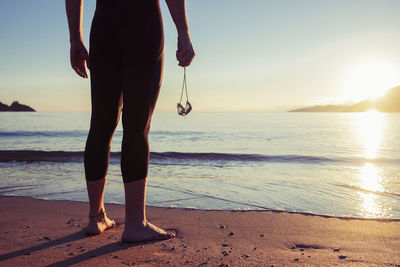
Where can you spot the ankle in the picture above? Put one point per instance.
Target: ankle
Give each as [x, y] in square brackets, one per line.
[98, 213]
[97, 217]
[135, 222]
[96, 210]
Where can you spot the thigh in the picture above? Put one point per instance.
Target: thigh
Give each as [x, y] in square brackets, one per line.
[106, 104]
[141, 85]
[105, 74]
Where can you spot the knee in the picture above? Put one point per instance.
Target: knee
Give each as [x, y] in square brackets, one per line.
[101, 132]
[136, 122]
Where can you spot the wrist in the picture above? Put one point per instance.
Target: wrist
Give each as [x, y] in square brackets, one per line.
[183, 32]
[184, 37]
[76, 39]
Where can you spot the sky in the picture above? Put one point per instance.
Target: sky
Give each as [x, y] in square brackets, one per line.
[254, 55]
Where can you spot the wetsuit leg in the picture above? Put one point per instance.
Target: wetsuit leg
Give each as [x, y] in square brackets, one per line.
[106, 90]
[142, 75]
[140, 95]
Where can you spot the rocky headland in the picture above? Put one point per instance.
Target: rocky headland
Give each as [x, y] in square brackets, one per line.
[15, 106]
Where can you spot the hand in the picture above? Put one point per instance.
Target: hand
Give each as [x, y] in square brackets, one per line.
[185, 52]
[78, 56]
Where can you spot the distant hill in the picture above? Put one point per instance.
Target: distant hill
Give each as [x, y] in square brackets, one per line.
[388, 103]
[327, 108]
[15, 106]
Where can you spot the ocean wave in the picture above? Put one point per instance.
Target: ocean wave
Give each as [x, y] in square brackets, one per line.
[176, 133]
[236, 157]
[60, 156]
[84, 133]
[163, 157]
[365, 190]
[44, 134]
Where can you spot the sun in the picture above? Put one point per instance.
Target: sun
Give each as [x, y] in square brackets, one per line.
[369, 80]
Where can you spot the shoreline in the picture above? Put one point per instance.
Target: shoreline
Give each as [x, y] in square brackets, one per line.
[305, 213]
[50, 233]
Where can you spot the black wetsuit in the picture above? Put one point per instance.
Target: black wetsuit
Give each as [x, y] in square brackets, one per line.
[126, 62]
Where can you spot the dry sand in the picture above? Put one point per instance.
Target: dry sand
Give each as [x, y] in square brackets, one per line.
[50, 233]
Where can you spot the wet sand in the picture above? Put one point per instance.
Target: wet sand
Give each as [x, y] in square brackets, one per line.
[50, 233]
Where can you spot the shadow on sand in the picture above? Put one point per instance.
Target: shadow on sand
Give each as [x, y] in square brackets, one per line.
[56, 242]
[106, 249]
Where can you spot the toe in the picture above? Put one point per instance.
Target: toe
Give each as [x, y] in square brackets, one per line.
[171, 233]
[113, 224]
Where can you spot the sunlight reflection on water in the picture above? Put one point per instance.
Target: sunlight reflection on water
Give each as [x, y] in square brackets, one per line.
[370, 128]
[371, 180]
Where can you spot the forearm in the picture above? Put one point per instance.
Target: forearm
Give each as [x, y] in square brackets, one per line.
[178, 13]
[74, 14]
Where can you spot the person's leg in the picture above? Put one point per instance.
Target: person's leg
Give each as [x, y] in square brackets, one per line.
[106, 107]
[98, 220]
[142, 65]
[140, 92]
[137, 228]
[97, 153]
[106, 96]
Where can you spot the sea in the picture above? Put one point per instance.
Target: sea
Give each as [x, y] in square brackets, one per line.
[337, 164]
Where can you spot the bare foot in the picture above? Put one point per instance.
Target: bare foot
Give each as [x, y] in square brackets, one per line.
[146, 232]
[99, 223]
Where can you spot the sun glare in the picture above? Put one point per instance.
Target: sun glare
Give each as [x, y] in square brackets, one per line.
[370, 126]
[369, 129]
[370, 177]
[369, 80]
[371, 180]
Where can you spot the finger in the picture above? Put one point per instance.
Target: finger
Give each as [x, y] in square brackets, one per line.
[182, 55]
[84, 74]
[183, 64]
[80, 68]
[180, 58]
[182, 51]
[187, 50]
[80, 71]
[84, 54]
[85, 57]
[179, 55]
[187, 59]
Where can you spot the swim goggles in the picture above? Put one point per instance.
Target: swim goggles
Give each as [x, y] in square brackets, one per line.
[184, 110]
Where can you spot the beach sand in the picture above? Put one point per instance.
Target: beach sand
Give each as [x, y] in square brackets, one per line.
[50, 233]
